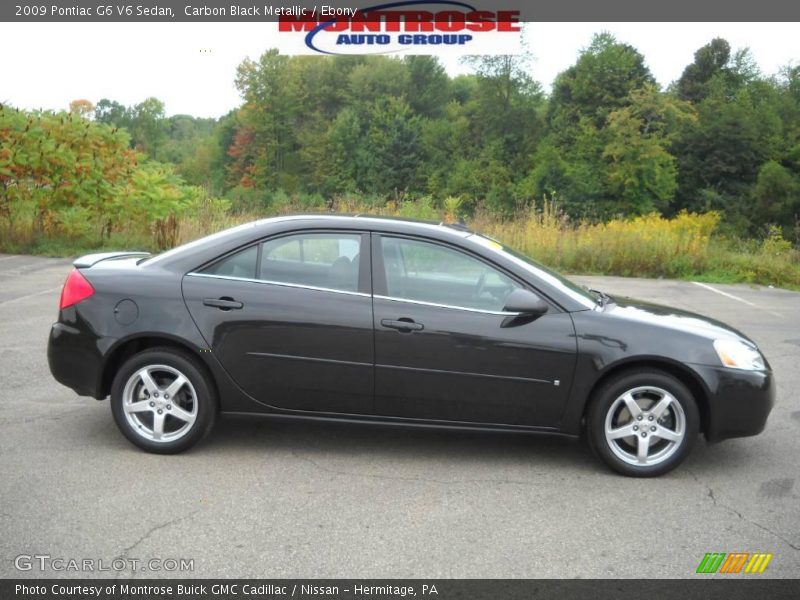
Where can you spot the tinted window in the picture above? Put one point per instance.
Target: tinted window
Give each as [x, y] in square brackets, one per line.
[428, 272]
[242, 264]
[327, 260]
[552, 278]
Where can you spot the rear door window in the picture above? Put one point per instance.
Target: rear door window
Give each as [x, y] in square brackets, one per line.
[324, 260]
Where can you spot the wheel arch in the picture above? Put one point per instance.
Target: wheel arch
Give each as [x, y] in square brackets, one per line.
[131, 346]
[678, 370]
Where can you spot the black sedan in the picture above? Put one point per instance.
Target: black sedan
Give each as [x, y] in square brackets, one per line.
[395, 322]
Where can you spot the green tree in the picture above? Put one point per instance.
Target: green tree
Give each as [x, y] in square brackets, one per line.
[776, 196]
[268, 118]
[379, 150]
[428, 86]
[376, 78]
[592, 116]
[602, 79]
[111, 112]
[709, 61]
[147, 126]
[719, 158]
[641, 174]
[505, 115]
[714, 63]
[347, 153]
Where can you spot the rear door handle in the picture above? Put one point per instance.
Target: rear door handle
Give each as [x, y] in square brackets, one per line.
[404, 325]
[223, 303]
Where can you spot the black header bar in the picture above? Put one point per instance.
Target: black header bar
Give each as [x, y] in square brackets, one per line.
[731, 588]
[149, 11]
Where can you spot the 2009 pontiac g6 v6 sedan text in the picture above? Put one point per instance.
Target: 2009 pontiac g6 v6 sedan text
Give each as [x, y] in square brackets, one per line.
[395, 322]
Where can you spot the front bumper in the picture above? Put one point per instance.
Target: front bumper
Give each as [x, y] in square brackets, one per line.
[75, 359]
[739, 402]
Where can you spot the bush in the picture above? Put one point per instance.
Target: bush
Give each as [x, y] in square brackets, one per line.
[63, 176]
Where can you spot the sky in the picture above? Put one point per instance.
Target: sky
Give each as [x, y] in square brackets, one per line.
[191, 66]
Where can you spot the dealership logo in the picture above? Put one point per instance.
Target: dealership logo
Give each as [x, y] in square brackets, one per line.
[734, 562]
[409, 26]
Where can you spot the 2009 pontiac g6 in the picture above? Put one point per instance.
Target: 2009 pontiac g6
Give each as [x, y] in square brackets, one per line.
[396, 322]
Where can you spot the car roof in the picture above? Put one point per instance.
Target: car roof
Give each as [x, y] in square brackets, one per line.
[229, 239]
[377, 222]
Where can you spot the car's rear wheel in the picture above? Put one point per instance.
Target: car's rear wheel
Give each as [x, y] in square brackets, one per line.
[163, 401]
[643, 423]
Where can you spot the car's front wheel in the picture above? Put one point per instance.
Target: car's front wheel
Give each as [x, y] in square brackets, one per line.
[162, 401]
[643, 423]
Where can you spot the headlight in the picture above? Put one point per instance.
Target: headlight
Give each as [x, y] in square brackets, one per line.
[738, 355]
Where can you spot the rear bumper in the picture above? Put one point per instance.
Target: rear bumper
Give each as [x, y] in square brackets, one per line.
[739, 401]
[75, 359]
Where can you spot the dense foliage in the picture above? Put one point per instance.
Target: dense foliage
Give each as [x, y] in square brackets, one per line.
[63, 174]
[607, 145]
[606, 142]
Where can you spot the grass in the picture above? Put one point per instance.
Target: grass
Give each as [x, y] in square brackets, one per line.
[684, 247]
[687, 246]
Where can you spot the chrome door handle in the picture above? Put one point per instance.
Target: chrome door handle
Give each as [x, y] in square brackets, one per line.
[404, 325]
[223, 303]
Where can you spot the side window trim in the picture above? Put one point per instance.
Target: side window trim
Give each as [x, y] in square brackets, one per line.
[278, 283]
[502, 313]
[381, 289]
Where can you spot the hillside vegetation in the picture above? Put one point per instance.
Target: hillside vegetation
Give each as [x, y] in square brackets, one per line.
[608, 173]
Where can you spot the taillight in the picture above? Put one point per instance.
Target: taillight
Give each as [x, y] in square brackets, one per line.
[76, 289]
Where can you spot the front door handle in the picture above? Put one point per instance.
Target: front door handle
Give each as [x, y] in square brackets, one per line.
[404, 325]
[223, 303]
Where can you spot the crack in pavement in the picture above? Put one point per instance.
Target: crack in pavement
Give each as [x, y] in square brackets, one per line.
[125, 551]
[710, 494]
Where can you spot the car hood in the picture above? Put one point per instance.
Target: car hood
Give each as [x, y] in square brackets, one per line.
[667, 317]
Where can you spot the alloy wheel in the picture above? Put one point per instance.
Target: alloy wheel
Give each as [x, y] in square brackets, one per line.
[159, 403]
[645, 426]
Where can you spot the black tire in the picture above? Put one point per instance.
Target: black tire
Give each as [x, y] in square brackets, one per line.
[610, 405]
[195, 401]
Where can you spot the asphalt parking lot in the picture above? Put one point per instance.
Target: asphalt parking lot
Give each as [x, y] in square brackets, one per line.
[266, 499]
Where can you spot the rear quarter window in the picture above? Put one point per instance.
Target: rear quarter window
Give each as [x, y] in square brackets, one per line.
[242, 265]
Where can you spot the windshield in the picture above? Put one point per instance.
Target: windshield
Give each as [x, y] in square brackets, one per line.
[552, 278]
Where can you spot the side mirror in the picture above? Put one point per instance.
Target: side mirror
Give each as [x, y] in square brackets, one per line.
[525, 303]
